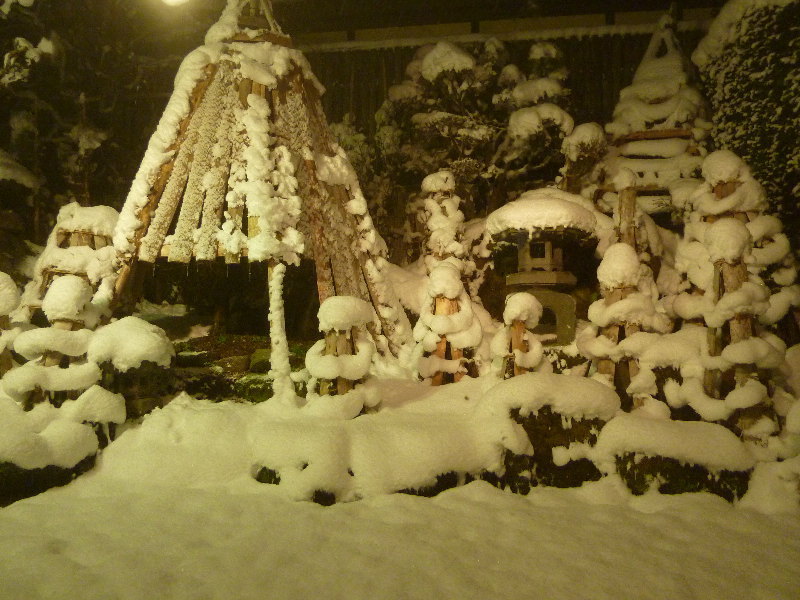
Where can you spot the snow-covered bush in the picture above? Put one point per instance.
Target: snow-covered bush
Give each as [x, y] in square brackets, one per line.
[496, 126]
[342, 359]
[515, 349]
[560, 416]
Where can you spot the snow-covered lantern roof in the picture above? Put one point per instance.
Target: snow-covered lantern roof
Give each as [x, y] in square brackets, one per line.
[543, 224]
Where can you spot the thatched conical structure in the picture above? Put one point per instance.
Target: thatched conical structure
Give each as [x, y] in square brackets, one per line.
[243, 164]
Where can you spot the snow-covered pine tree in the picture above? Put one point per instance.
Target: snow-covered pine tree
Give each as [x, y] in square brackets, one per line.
[498, 130]
[447, 332]
[748, 63]
[530, 152]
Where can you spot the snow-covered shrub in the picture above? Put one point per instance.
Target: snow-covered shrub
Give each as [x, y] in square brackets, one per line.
[674, 456]
[561, 417]
[515, 349]
[342, 359]
[448, 330]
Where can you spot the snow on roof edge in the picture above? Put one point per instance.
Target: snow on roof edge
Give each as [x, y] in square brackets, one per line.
[535, 34]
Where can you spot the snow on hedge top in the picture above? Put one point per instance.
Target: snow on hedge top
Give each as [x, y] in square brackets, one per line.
[445, 57]
[546, 208]
[724, 29]
[442, 181]
[694, 442]
[11, 170]
[66, 298]
[619, 267]
[340, 313]
[129, 342]
[99, 220]
[522, 306]
[9, 294]
[575, 397]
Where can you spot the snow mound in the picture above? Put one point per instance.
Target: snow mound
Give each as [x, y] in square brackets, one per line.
[129, 342]
[66, 298]
[727, 240]
[723, 166]
[445, 57]
[442, 181]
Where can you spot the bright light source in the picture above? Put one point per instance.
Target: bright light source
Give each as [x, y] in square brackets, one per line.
[174, 2]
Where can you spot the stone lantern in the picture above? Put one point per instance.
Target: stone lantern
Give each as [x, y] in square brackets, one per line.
[549, 227]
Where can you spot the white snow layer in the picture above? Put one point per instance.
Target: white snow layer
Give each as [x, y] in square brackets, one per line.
[619, 268]
[445, 57]
[522, 306]
[575, 397]
[129, 342]
[340, 313]
[542, 209]
[9, 294]
[694, 442]
[173, 506]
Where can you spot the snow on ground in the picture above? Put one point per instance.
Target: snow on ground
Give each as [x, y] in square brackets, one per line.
[172, 513]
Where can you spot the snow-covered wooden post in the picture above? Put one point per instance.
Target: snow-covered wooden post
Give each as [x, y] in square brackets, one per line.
[9, 298]
[627, 307]
[343, 357]
[515, 349]
[270, 190]
[447, 330]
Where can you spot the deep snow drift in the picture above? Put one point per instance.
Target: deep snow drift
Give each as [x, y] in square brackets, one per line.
[172, 511]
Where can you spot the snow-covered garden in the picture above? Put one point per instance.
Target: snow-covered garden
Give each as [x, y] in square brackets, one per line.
[550, 359]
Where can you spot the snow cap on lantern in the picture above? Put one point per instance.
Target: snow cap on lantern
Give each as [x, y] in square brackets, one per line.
[543, 209]
[340, 313]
